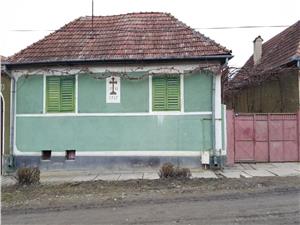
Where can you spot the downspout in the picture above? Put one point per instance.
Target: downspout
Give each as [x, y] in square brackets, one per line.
[13, 110]
[213, 119]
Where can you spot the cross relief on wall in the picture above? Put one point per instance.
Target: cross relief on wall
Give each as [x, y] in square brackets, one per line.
[113, 87]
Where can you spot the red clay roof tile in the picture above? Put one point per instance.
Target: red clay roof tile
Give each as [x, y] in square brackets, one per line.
[121, 37]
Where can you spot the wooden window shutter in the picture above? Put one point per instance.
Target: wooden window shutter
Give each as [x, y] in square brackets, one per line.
[173, 94]
[53, 94]
[60, 94]
[159, 98]
[67, 94]
[166, 94]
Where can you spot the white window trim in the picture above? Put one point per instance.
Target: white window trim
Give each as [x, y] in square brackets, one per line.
[76, 94]
[44, 94]
[182, 93]
[150, 94]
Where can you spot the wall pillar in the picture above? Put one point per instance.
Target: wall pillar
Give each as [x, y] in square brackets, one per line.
[218, 114]
[230, 137]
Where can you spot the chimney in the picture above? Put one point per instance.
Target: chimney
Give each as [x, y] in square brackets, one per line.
[257, 53]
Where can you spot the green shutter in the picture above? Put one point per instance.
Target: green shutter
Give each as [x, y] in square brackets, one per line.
[60, 94]
[173, 94]
[159, 99]
[166, 94]
[67, 94]
[53, 94]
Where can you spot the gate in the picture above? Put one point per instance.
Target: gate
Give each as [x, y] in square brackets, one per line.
[263, 137]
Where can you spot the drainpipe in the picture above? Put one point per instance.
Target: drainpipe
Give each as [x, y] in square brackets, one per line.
[213, 118]
[13, 110]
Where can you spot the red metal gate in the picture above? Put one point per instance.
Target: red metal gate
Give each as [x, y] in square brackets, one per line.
[263, 137]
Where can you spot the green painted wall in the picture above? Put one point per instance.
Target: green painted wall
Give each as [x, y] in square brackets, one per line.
[124, 133]
[198, 93]
[92, 96]
[30, 94]
[6, 87]
[114, 133]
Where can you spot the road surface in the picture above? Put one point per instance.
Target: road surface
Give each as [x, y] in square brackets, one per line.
[276, 206]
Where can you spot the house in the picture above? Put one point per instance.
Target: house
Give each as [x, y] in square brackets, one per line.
[5, 84]
[137, 89]
[269, 81]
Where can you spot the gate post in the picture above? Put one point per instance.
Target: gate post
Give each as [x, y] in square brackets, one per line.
[230, 137]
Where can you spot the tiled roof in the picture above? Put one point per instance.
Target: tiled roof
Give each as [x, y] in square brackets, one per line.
[280, 49]
[132, 36]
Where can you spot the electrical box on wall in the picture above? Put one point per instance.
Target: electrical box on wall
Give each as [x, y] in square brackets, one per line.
[205, 158]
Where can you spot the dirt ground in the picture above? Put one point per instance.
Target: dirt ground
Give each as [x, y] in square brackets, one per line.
[101, 201]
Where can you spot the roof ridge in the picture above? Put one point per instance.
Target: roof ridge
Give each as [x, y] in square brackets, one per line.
[126, 14]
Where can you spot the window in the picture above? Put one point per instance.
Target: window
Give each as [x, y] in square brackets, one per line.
[60, 91]
[46, 155]
[70, 155]
[166, 93]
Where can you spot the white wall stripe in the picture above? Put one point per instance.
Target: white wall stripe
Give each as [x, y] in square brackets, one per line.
[117, 153]
[115, 114]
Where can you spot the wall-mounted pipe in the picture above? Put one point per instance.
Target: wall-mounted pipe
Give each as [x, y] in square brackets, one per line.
[13, 110]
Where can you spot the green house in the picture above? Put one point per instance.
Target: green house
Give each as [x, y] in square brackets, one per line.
[137, 89]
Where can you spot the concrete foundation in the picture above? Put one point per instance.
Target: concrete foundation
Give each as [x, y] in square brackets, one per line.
[111, 162]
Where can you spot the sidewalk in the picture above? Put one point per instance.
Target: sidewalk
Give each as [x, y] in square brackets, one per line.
[236, 171]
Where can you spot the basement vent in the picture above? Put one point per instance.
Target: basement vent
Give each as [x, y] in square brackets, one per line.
[70, 155]
[46, 155]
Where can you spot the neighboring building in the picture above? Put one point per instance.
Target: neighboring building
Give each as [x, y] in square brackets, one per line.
[127, 90]
[269, 81]
[4, 114]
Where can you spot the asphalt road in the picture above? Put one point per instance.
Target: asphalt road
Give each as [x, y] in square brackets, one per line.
[279, 206]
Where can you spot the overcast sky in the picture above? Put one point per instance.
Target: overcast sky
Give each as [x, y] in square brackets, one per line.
[43, 16]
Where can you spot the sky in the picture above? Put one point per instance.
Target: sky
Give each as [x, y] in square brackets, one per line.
[24, 22]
